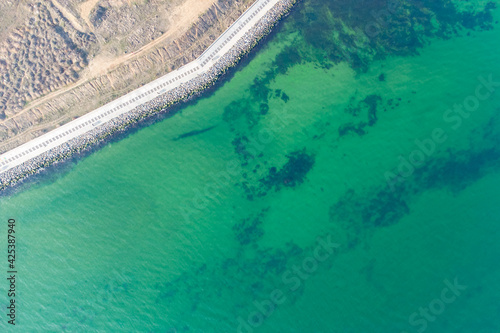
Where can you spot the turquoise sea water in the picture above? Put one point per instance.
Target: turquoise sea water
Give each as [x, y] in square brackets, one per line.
[297, 209]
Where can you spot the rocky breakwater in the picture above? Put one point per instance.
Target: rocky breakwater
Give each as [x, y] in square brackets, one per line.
[160, 104]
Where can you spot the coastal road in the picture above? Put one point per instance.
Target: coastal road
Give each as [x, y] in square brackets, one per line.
[141, 95]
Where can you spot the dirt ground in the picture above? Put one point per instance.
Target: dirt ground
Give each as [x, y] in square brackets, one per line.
[183, 15]
[60, 59]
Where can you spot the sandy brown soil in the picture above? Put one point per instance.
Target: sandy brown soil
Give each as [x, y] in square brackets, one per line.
[146, 44]
[69, 16]
[183, 16]
[85, 9]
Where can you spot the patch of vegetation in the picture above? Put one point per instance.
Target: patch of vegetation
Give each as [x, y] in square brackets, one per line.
[40, 56]
[240, 112]
[249, 230]
[362, 31]
[292, 173]
[98, 15]
[368, 107]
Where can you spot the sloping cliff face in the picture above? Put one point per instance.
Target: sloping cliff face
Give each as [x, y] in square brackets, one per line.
[57, 89]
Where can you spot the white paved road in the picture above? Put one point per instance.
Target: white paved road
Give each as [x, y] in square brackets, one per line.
[139, 96]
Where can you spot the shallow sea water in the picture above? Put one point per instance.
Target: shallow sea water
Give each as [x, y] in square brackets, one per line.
[167, 232]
